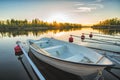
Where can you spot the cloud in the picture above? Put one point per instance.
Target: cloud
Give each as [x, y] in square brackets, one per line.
[97, 5]
[86, 9]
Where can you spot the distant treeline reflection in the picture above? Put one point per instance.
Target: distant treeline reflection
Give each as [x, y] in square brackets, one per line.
[108, 26]
[14, 33]
[113, 23]
[108, 31]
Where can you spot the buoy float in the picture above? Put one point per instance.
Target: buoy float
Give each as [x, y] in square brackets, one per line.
[82, 37]
[90, 35]
[71, 39]
[18, 50]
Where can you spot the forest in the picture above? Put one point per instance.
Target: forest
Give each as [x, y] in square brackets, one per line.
[108, 23]
[35, 24]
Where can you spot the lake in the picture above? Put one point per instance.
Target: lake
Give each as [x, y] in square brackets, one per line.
[11, 68]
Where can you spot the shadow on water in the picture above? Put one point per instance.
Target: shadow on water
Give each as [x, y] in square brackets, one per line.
[52, 73]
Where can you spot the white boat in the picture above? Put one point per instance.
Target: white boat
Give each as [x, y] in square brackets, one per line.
[69, 57]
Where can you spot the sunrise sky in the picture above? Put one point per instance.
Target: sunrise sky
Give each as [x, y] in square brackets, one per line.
[74, 11]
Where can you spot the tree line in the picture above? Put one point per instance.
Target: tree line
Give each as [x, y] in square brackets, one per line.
[109, 23]
[35, 24]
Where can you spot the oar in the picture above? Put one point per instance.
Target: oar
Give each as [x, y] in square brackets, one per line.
[99, 40]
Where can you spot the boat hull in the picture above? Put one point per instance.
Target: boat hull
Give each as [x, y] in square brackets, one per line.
[85, 71]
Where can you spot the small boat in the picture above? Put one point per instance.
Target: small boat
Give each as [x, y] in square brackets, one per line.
[69, 57]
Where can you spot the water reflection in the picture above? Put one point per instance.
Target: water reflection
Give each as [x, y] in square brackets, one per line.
[8, 41]
[13, 33]
[108, 31]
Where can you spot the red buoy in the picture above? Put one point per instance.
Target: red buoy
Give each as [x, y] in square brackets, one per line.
[90, 35]
[71, 39]
[82, 37]
[17, 50]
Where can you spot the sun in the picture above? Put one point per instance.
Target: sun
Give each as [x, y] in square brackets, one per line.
[59, 17]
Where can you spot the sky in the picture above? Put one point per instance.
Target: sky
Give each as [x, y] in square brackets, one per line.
[84, 12]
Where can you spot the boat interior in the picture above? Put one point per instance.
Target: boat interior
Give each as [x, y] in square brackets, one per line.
[70, 52]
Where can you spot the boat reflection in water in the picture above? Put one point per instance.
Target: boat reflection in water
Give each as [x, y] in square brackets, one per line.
[69, 57]
[50, 72]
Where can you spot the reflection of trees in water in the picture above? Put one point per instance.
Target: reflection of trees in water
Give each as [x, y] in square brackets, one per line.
[13, 33]
[108, 31]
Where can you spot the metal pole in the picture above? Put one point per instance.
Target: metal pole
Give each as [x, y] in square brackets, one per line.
[20, 59]
[40, 76]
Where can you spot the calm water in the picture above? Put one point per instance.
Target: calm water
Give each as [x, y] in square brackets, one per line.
[11, 68]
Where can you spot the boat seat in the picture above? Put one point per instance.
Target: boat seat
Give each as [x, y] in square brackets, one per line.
[100, 59]
[55, 51]
[41, 42]
[86, 60]
[75, 58]
[53, 47]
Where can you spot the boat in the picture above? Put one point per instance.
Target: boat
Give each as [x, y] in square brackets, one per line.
[101, 44]
[69, 57]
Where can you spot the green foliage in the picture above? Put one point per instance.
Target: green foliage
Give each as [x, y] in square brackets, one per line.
[109, 23]
[35, 24]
